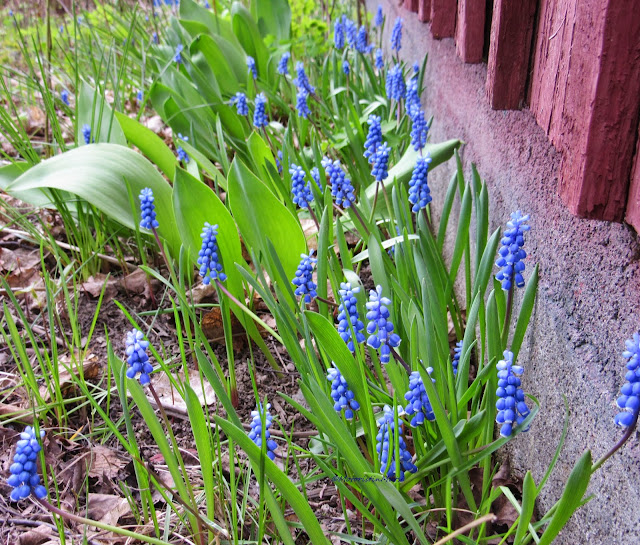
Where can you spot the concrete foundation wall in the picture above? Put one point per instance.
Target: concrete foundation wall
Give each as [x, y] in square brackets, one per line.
[589, 289]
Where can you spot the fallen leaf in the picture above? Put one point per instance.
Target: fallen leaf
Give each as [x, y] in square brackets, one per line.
[136, 282]
[36, 536]
[107, 508]
[36, 120]
[90, 370]
[105, 463]
[170, 398]
[94, 285]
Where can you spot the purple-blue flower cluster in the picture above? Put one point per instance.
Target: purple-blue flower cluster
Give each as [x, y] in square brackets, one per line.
[182, 155]
[306, 287]
[240, 100]
[208, 258]
[380, 327]
[512, 253]
[512, 409]
[374, 137]
[300, 188]
[177, 57]
[251, 66]
[396, 35]
[395, 86]
[256, 430]
[379, 60]
[301, 103]
[381, 162]
[338, 34]
[419, 130]
[24, 470]
[147, 210]
[345, 67]
[301, 79]
[259, 114]
[379, 17]
[283, 65]
[343, 398]
[418, 403]
[629, 400]
[386, 447]
[341, 187]
[349, 322]
[457, 352]
[86, 133]
[361, 41]
[419, 192]
[137, 358]
[64, 96]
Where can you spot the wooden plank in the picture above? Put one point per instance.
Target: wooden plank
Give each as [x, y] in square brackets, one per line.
[512, 28]
[594, 118]
[411, 5]
[633, 202]
[424, 10]
[470, 30]
[443, 18]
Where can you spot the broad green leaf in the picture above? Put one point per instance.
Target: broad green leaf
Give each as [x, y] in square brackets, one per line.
[8, 175]
[149, 143]
[246, 30]
[99, 173]
[94, 111]
[281, 481]
[261, 216]
[218, 61]
[273, 17]
[525, 312]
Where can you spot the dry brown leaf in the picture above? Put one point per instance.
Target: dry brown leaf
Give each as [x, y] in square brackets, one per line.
[94, 285]
[23, 415]
[105, 463]
[90, 370]
[107, 508]
[36, 120]
[136, 282]
[170, 398]
[36, 536]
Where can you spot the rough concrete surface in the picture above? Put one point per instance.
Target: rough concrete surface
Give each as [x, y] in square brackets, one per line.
[588, 298]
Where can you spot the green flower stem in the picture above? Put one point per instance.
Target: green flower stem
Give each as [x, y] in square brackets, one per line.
[619, 444]
[507, 316]
[399, 359]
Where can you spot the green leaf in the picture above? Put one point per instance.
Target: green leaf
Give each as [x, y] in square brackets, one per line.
[261, 216]
[149, 143]
[99, 173]
[281, 481]
[95, 112]
[273, 17]
[571, 498]
[525, 312]
[529, 493]
[219, 62]
[9, 173]
[246, 30]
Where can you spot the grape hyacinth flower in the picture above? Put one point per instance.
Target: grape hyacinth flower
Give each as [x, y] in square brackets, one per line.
[511, 252]
[301, 79]
[345, 67]
[395, 85]
[341, 187]
[154, 38]
[207, 5]
[386, 447]
[208, 258]
[240, 100]
[304, 278]
[140, 96]
[419, 130]
[379, 18]
[301, 103]
[413, 99]
[137, 357]
[251, 66]
[256, 430]
[418, 403]
[379, 61]
[177, 58]
[343, 398]
[350, 30]
[147, 210]
[279, 159]
[457, 352]
[64, 96]
[259, 115]
[512, 409]
[381, 162]
[629, 400]
[315, 175]
[419, 192]
[182, 155]
[374, 137]
[396, 35]
[300, 188]
[380, 328]
[86, 133]
[338, 34]
[361, 41]
[24, 471]
[349, 322]
[283, 65]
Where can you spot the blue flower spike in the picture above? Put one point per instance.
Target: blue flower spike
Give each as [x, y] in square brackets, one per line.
[418, 403]
[457, 352]
[349, 322]
[137, 357]
[386, 441]
[345, 67]
[301, 103]
[512, 409]
[343, 398]
[413, 98]
[147, 210]
[629, 400]
[511, 252]
[305, 286]
[380, 328]
[381, 162]
[395, 85]
[341, 187]
[419, 192]
[396, 35]
[260, 115]
[350, 30]
[315, 174]
[279, 159]
[64, 96]
[177, 57]
[283, 64]
[379, 60]
[338, 34]
[301, 79]
[24, 471]
[379, 18]
[240, 100]
[256, 430]
[251, 66]
[300, 188]
[419, 130]
[361, 41]
[86, 133]
[374, 137]
[208, 256]
[182, 155]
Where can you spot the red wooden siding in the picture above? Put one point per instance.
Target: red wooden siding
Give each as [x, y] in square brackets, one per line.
[509, 51]
[633, 203]
[470, 29]
[411, 5]
[424, 10]
[443, 18]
